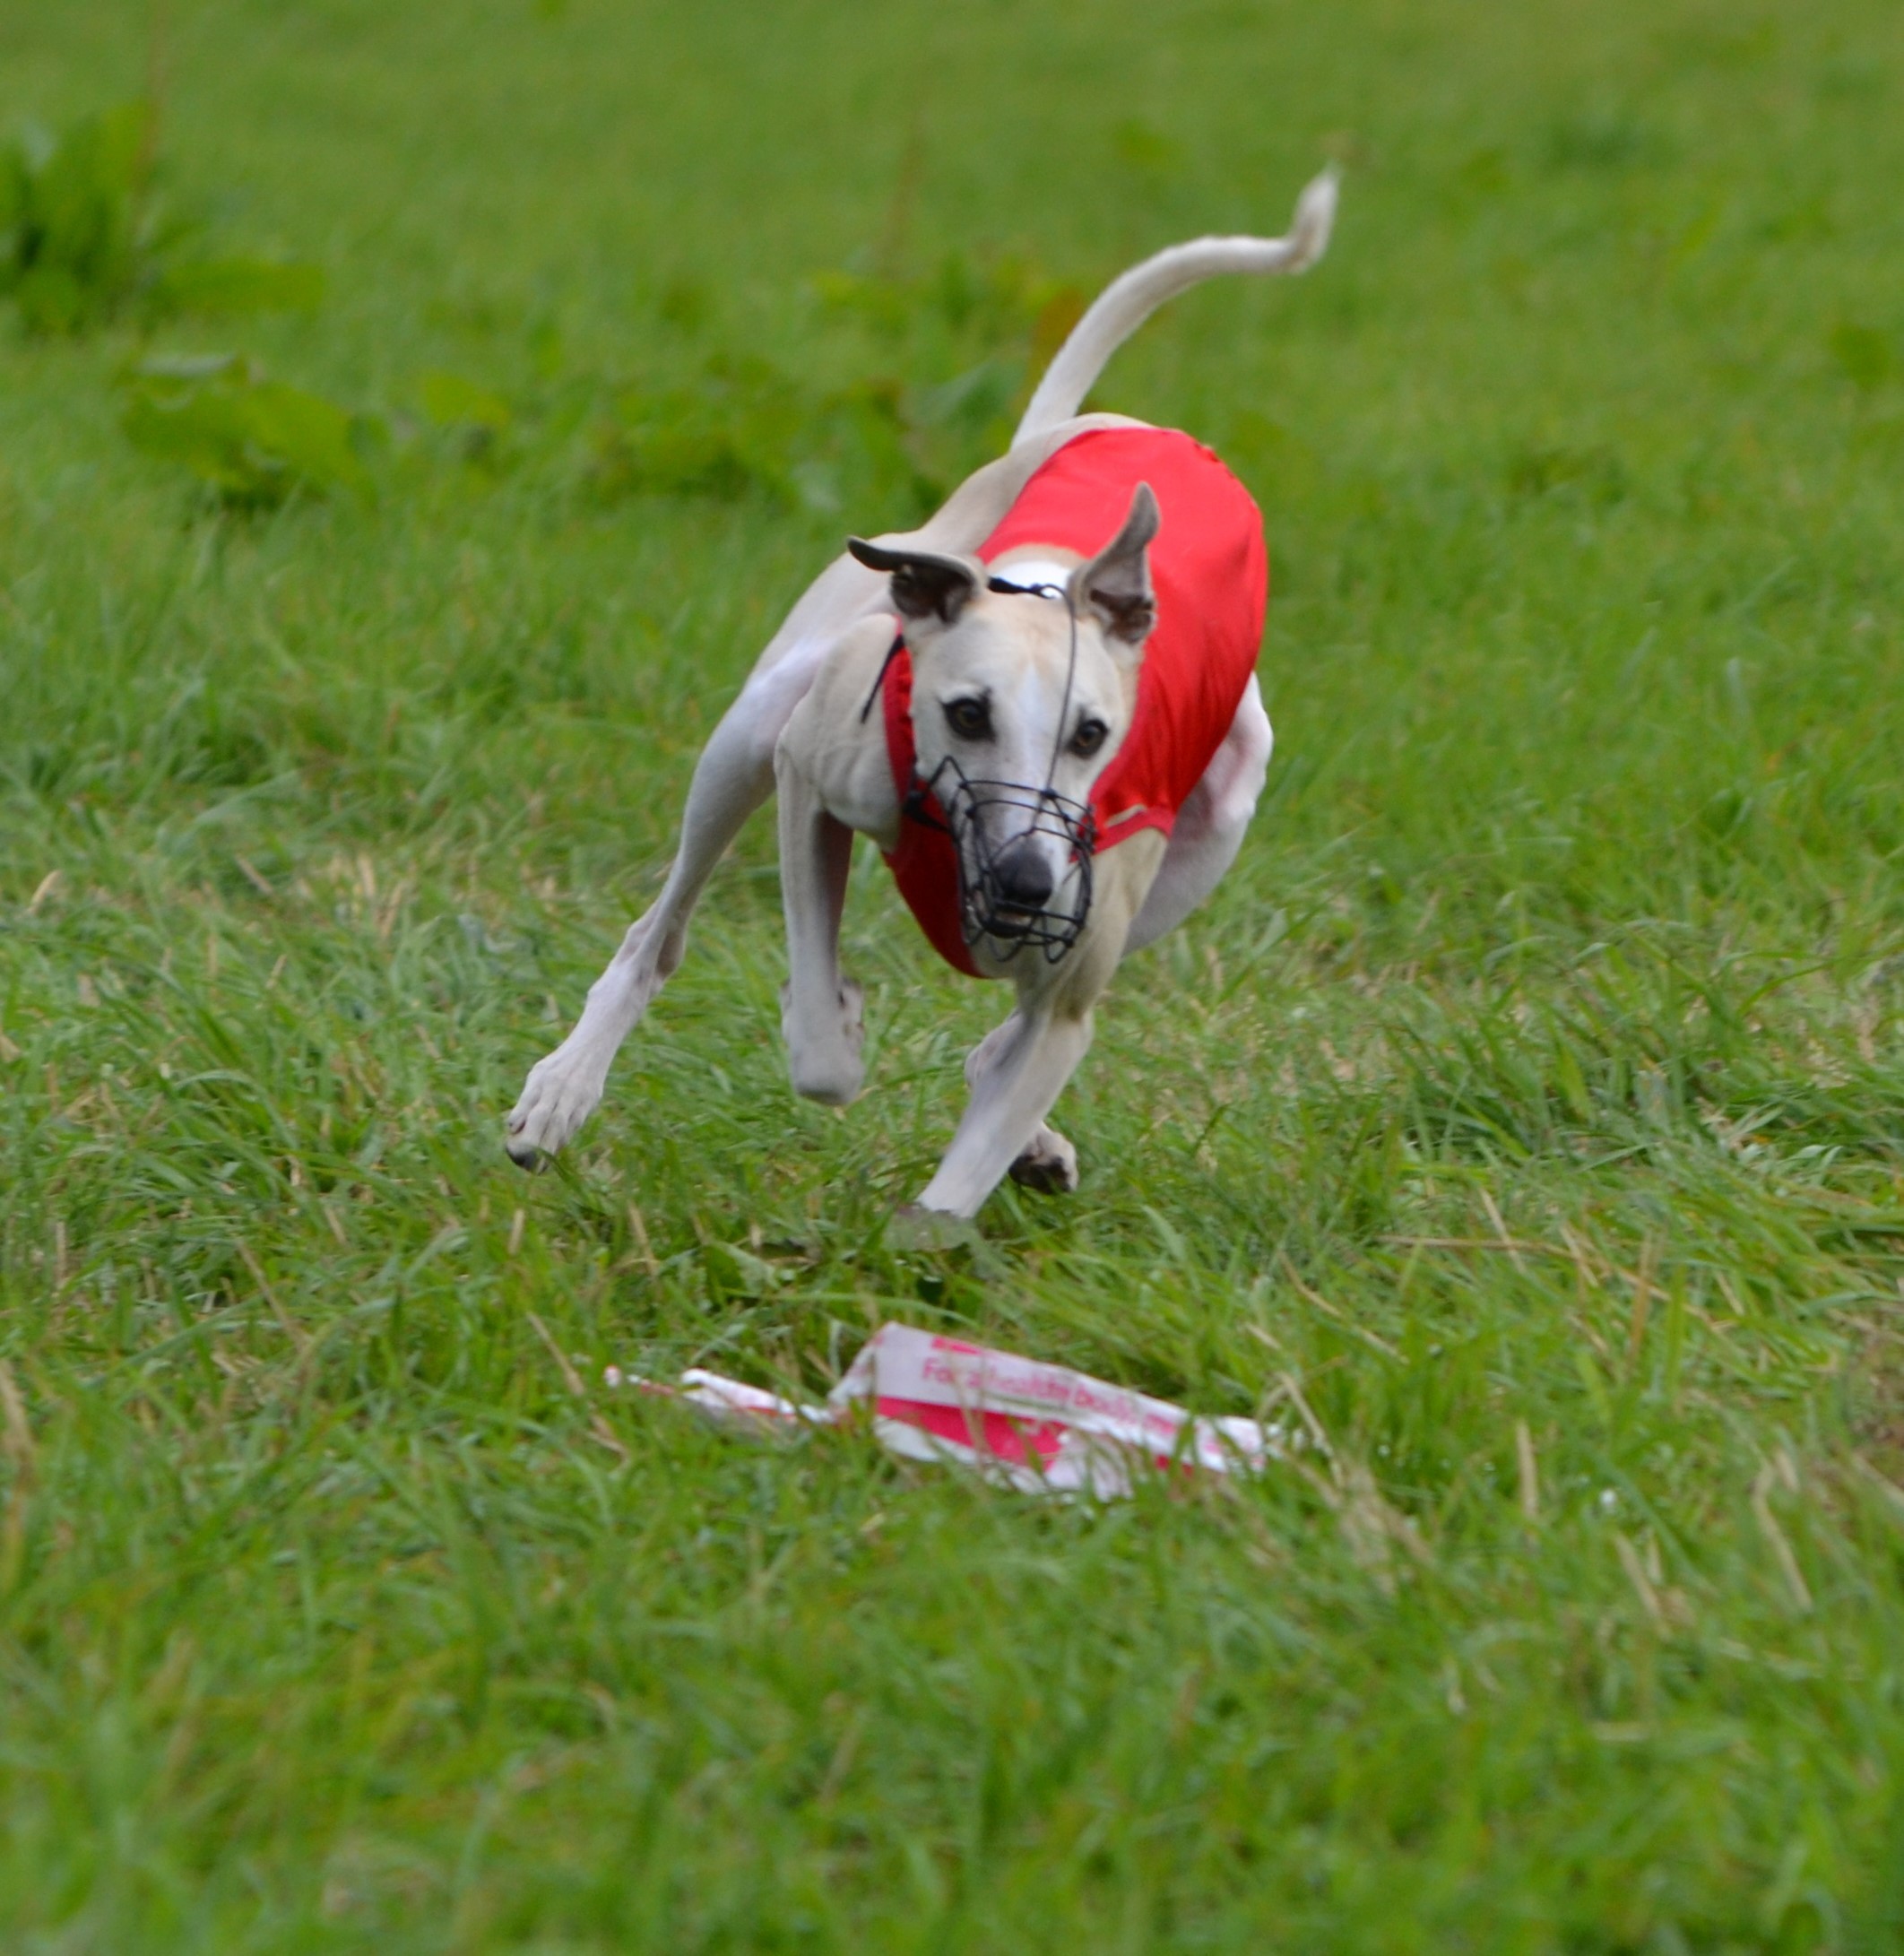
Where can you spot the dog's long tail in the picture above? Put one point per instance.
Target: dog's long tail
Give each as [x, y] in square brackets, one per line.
[1127, 302]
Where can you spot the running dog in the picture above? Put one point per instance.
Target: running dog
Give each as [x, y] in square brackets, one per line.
[1042, 705]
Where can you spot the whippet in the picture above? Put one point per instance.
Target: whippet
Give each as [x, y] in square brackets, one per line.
[1042, 705]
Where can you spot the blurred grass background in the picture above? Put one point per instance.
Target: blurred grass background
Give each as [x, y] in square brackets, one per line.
[1530, 1101]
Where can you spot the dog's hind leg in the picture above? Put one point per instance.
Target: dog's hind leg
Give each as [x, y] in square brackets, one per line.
[820, 1011]
[1211, 823]
[734, 775]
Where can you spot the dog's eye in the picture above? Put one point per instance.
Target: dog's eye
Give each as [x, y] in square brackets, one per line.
[1089, 738]
[970, 719]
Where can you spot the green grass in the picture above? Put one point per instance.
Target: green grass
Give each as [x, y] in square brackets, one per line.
[330, 1620]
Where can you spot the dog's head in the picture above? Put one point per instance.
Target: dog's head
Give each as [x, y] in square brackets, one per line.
[1001, 704]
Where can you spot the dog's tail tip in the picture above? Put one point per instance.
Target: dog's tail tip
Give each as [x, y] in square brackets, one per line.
[1315, 219]
[1124, 305]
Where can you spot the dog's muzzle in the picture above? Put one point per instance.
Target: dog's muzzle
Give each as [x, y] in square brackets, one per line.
[1005, 889]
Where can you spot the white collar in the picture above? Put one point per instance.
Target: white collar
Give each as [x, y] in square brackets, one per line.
[1026, 574]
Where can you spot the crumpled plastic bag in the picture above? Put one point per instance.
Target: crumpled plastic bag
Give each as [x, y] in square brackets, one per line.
[1026, 1425]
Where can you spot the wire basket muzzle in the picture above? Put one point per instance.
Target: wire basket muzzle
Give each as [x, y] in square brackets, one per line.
[989, 819]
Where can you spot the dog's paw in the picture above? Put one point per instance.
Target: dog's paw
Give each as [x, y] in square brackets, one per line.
[823, 1059]
[557, 1097]
[1049, 1165]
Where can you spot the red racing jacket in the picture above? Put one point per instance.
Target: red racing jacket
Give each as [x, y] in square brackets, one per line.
[1211, 576]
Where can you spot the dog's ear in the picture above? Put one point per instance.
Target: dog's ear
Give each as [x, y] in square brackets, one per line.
[1115, 587]
[926, 583]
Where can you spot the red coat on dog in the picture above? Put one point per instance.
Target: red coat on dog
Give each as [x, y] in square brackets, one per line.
[1211, 576]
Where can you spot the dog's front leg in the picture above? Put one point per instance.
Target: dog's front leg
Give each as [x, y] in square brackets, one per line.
[733, 776]
[1047, 1163]
[1014, 1088]
[819, 1011]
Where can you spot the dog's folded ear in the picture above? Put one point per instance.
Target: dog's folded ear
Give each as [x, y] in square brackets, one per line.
[926, 583]
[1115, 585]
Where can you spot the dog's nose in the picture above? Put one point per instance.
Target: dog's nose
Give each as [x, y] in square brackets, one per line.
[1025, 877]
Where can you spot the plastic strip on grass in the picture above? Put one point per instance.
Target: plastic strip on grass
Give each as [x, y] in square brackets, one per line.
[1024, 1424]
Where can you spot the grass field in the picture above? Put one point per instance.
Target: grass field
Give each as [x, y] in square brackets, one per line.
[1530, 1101]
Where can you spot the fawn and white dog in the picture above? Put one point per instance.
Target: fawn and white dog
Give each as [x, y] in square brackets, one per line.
[1042, 705]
